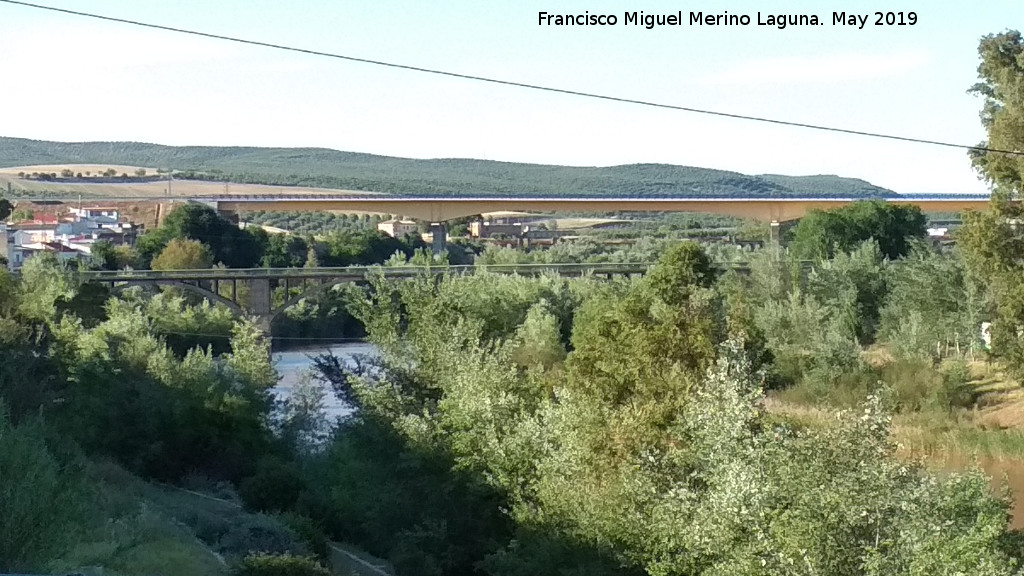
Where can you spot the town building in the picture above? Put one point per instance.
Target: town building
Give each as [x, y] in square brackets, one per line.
[69, 238]
[398, 228]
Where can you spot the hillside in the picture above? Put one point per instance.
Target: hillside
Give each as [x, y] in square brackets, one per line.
[319, 167]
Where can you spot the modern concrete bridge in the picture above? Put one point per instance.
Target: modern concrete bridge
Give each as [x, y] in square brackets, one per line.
[441, 209]
[438, 210]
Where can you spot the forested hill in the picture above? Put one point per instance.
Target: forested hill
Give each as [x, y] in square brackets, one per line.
[443, 177]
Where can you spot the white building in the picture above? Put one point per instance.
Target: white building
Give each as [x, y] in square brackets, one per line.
[97, 213]
[398, 228]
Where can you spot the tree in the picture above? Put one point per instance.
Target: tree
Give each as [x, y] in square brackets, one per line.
[6, 208]
[230, 245]
[183, 254]
[110, 257]
[993, 241]
[43, 500]
[1001, 85]
[311, 259]
[821, 234]
[285, 251]
[22, 214]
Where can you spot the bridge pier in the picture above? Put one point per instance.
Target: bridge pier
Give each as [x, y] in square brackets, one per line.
[260, 297]
[775, 234]
[439, 237]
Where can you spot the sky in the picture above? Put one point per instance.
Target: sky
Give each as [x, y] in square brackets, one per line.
[70, 78]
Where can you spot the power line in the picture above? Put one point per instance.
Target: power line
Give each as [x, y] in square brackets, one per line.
[517, 84]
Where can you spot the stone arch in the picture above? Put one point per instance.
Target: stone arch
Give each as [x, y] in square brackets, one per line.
[309, 292]
[207, 294]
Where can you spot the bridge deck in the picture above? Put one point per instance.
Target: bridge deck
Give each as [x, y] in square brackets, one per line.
[355, 273]
[440, 209]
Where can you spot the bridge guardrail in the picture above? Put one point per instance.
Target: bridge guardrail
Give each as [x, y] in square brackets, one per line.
[360, 272]
[356, 271]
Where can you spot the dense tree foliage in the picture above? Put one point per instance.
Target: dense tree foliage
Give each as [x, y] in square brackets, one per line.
[183, 254]
[230, 245]
[822, 234]
[992, 241]
[1001, 85]
[516, 425]
[635, 442]
[196, 236]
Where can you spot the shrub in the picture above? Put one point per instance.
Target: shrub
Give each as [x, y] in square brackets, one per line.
[311, 533]
[274, 487]
[260, 533]
[42, 497]
[279, 565]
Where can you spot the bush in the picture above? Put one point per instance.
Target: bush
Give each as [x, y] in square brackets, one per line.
[42, 497]
[260, 533]
[279, 565]
[311, 533]
[275, 487]
[919, 386]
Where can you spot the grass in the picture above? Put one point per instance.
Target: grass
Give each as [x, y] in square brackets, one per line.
[147, 528]
[955, 416]
[132, 535]
[962, 408]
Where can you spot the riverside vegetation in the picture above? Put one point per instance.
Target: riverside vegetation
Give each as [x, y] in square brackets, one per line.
[515, 426]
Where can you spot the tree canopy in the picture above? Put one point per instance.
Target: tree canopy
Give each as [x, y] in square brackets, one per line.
[993, 241]
[1001, 86]
[183, 254]
[821, 234]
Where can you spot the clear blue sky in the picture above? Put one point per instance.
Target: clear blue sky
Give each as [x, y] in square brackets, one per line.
[74, 79]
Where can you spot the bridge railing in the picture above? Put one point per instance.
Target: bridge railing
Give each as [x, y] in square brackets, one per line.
[357, 271]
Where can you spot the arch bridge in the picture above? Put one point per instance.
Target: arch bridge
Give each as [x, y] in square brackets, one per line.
[256, 296]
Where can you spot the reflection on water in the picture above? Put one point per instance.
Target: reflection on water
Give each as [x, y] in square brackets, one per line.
[290, 364]
[1010, 470]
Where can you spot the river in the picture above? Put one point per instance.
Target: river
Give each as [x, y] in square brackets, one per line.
[291, 364]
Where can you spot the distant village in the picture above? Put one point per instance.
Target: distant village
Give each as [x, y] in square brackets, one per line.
[70, 236]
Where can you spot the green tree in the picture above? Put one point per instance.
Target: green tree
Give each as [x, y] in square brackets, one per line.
[110, 257]
[22, 214]
[6, 208]
[285, 251]
[183, 254]
[43, 501]
[821, 234]
[1001, 85]
[993, 241]
[230, 245]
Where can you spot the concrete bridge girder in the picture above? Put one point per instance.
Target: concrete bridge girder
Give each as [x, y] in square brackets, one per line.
[444, 209]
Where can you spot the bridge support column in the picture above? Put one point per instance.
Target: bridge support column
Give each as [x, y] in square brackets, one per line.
[260, 297]
[776, 228]
[439, 235]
